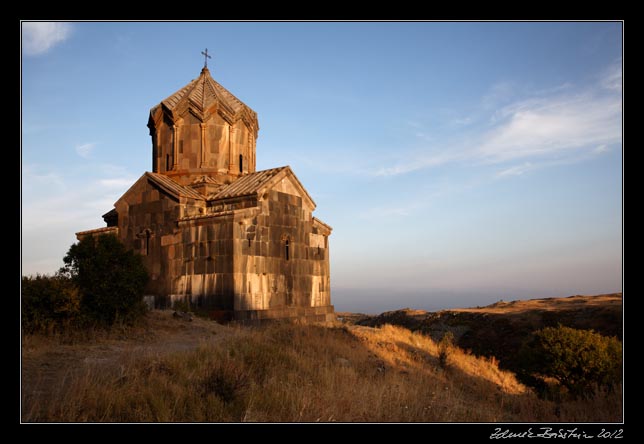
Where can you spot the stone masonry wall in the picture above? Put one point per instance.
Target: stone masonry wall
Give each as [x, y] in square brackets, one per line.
[147, 217]
[241, 254]
[211, 147]
[203, 262]
[269, 274]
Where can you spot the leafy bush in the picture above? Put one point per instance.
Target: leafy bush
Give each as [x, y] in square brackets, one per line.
[49, 303]
[182, 306]
[110, 278]
[581, 360]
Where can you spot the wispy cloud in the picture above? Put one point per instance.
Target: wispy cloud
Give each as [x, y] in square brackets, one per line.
[393, 211]
[121, 182]
[417, 163]
[40, 37]
[601, 149]
[45, 190]
[35, 176]
[552, 126]
[498, 94]
[612, 77]
[85, 149]
[462, 121]
[57, 203]
[515, 170]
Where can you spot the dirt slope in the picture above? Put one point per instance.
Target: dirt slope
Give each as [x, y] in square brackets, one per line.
[49, 364]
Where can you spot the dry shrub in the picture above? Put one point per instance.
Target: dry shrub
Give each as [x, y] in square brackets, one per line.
[444, 347]
[227, 380]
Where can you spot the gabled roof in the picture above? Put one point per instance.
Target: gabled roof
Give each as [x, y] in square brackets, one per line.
[102, 230]
[201, 93]
[323, 225]
[248, 184]
[257, 182]
[111, 213]
[173, 187]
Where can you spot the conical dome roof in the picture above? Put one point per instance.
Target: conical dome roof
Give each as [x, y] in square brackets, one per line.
[204, 95]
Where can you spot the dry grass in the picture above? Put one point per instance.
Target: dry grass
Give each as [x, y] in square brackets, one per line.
[291, 373]
[548, 304]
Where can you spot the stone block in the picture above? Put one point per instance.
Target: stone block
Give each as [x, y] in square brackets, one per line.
[199, 266]
[167, 239]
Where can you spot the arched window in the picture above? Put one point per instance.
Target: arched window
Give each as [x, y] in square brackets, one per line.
[144, 241]
[241, 163]
[286, 249]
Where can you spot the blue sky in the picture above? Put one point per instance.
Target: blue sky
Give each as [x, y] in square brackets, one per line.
[458, 163]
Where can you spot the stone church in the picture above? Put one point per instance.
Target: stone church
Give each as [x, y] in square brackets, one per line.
[212, 230]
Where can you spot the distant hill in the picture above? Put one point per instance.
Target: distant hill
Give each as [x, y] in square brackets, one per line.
[499, 329]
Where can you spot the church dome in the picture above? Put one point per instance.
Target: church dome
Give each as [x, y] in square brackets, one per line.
[203, 130]
[204, 95]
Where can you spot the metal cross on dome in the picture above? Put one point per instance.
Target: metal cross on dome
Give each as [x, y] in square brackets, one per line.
[206, 57]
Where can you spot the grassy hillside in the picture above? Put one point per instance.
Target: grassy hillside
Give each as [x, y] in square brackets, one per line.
[172, 370]
[498, 330]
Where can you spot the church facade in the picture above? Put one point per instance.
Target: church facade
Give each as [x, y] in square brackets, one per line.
[240, 243]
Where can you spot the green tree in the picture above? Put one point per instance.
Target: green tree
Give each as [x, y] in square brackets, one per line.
[110, 278]
[579, 359]
[49, 303]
